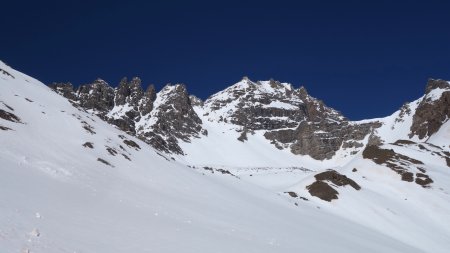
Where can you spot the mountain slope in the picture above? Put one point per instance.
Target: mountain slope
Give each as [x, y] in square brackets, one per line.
[73, 182]
[288, 118]
[58, 195]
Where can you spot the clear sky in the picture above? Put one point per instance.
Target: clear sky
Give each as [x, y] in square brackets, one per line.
[363, 58]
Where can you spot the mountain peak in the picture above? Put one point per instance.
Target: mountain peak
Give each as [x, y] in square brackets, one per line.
[436, 83]
[136, 79]
[195, 101]
[302, 91]
[100, 81]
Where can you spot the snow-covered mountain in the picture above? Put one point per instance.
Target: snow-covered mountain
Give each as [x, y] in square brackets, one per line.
[257, 167]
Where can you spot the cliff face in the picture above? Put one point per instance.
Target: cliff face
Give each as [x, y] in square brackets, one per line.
[433, 110]
[290, 118]
[172, 120]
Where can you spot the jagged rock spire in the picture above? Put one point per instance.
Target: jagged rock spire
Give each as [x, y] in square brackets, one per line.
[97, 95]
[148, 98]
[129, 92]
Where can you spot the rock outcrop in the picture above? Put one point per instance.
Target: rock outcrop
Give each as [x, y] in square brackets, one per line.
[433, 110]
[97, 96]
[64, 89]
[172, 119]
[322, 189]
[290, 117]
[160, 119]
[403, 165]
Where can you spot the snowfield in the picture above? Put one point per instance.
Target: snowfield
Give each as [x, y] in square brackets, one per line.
[70, 182]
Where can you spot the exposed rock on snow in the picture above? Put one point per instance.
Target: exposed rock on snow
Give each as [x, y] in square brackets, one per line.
[88, 145]
[131, 144]
[4, 128]
[321, 188]
[97, 96]
[9, 116]
[323, 191]
[399, 163]
[104, 162]
[173, 119]
[6, 73]
[433, 110]
[337, 179]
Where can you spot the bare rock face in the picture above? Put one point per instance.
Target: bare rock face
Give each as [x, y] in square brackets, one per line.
[176, 116]
[433, 110]
[131, 104]
[129, 92]
[337, 179]
[321, 188]
[64, 89]
[321, 140]
[173, 119]
[322, 132]
[323, 191]
[146, 105]
[98, 96]
[128, 100]
[122, 92]
[134, 111]
[257, 106]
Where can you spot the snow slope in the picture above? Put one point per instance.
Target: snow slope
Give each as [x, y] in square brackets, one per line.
[406, 211]
[58, 197]
[442, 137]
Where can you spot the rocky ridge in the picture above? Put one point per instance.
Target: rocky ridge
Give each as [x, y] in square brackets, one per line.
[289, 118]
[160, 119]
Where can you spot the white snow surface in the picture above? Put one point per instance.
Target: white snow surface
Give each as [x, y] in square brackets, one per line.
[279, 104]
[56, 196]
[442, 137]
[397, 127]
[435, 94]
[119, 111]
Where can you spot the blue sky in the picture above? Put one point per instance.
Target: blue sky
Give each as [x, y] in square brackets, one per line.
[364, 58]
